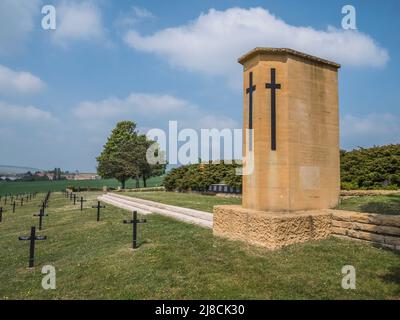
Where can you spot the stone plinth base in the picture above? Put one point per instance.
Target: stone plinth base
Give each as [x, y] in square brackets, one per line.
[270, 229]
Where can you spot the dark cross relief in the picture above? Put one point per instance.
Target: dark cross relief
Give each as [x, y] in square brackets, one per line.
[134, 223]
[98, 207]
[250, 91]
[33, 237]
[273, 86]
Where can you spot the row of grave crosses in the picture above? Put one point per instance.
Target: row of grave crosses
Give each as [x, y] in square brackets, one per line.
[17, 198]
[273, 86]
[14, 201]
[33, 237]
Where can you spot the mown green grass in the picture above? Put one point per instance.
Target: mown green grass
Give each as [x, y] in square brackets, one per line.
[188, 200]
[387, 204]
[44, 186]
[93, 260]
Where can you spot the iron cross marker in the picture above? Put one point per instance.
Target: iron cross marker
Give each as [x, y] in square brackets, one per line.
[81, 201]
[273, 86]
[134, 223]
[98, 207]
[1, 214]
[250, 91]
[32, 238]
[43, 205]
[74, 199]
[41, 215]
[13, 206]
[22, 202]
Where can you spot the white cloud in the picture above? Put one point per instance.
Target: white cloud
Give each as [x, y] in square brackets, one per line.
[27, 114]
[149, 110]
[16, 22]
[134, 16]
[371, 129]
[78, 21]
[212, 43]
[20, 82]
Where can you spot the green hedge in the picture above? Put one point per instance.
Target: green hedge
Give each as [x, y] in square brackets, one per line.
[372, 168]
[200, 176]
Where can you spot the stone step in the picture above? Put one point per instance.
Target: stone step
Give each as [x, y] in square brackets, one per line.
[200, 218]
[122, 205]
[191, 212]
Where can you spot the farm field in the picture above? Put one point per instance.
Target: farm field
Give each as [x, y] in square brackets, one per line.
[44, 186]
[94, 260]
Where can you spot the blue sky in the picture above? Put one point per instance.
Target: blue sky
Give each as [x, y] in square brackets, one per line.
[63, 90]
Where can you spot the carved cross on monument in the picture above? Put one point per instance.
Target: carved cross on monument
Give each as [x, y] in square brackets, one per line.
[273, 86]
[250, 91]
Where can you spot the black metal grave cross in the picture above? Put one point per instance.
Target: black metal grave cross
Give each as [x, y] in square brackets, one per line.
[22, 202]
[1, 214]
[134, 223]
[41, 215]
[81, 201]
[43, 205]
[33, 237]
[98, 207]
[13, 206]
[273, 86]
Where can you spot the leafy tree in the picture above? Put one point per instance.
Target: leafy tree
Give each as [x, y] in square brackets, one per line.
[113, 162]
[124, 156]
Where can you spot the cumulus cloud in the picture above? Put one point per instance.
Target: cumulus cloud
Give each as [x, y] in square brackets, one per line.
[16, 22]
[18, 82]
[212, 43]
[27, 114]
[149, 110]
[78, 21]
[371, 129]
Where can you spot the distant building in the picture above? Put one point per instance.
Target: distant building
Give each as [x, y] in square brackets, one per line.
[83, 176]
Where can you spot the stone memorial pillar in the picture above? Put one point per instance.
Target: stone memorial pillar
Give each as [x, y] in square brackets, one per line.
[290, 148]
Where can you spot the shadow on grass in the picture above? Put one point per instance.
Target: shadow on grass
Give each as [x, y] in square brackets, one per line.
[389, 207]
[393, 276]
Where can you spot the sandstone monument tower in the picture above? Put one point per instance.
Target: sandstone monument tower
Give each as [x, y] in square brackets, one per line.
[291, 149]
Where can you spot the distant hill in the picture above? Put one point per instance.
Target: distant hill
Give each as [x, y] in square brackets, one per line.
[5, 169]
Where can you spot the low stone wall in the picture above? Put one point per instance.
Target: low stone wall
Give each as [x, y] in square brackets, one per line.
[274, 230]
[383, 230]
[360, 193]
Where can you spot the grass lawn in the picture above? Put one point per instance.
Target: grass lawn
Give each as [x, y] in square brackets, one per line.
[93, 260]
[188, 200]
[44, 186]
[389, 204]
